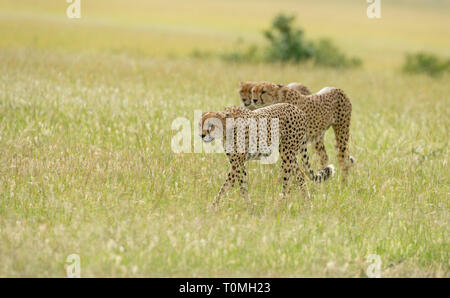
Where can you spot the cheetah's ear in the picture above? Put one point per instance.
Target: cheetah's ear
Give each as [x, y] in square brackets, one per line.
[280, 86]
[241, 83]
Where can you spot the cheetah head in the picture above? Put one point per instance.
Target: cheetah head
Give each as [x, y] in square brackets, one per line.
[211, 126]
[265, 94]
[245, 91]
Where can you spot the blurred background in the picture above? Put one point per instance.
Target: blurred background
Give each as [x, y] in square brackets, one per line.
[179, 28]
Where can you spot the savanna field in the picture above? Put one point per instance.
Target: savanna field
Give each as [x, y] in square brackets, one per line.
[86, 165]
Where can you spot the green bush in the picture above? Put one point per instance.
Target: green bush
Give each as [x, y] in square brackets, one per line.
[287, 43]
[425, 63]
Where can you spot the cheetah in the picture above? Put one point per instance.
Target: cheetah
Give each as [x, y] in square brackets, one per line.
[245, 91]
[300, 88]
[328, 107]
[291, 135]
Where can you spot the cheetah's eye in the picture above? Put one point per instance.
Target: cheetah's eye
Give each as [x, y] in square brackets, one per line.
[264, 91]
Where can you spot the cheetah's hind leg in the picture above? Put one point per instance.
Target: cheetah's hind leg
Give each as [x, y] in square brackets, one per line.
[319, 146]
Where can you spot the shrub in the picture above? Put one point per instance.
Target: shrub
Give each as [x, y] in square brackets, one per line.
[425, 63]
[285, 42]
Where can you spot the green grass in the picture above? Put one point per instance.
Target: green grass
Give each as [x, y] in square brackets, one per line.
[86, 164]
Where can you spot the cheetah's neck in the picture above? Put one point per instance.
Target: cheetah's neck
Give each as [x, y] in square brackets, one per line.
[291, 96]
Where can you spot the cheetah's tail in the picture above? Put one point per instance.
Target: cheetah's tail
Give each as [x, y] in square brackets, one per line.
[321, 175]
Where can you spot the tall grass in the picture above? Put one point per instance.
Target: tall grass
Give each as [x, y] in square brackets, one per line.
[86, 164]
[86, 167]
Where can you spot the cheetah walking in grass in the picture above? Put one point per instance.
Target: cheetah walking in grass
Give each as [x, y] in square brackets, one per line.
[292, 128]
[328, 107]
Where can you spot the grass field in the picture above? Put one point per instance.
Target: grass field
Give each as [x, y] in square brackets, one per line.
[86, 165]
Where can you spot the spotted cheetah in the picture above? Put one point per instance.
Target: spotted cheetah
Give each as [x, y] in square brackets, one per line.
[328, 107]
[245, 91]
[291, 135]
[300, 88]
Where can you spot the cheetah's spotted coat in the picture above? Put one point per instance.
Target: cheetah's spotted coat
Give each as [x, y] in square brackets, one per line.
[292, 128]
[245, 91]
[329, 107]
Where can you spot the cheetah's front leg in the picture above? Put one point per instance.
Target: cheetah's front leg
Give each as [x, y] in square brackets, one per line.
[231, 178]
[243, 180]
[229, 183]
[287, 168]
